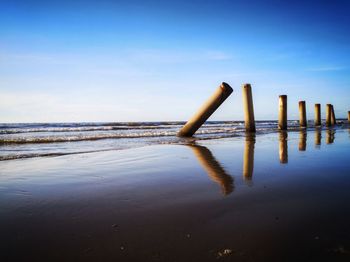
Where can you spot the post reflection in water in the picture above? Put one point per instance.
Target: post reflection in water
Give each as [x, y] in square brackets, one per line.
[248, 158]
[283, 147]
[213, 168]
[318, 137]
[302, 140]
[330, 135]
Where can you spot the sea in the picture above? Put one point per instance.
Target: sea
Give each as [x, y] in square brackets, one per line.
[26, 140]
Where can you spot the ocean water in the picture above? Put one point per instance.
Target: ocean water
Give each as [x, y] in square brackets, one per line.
[54, 139]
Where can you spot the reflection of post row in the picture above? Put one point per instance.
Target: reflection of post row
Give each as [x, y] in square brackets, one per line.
[218, 174]
[283, 144]
[330, 135]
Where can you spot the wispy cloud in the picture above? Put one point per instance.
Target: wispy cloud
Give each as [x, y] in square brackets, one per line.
[281, 56]
[175, 56]
[115, 57]
[33, 58]
[326, 68]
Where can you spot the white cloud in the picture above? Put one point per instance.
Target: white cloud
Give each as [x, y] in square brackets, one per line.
[326, 68]
[175, 56]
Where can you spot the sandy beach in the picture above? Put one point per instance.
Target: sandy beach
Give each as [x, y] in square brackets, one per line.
[271, 197]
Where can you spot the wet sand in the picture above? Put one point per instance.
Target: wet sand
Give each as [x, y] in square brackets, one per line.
[274, 197]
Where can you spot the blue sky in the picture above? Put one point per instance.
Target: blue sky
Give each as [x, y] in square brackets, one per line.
[159, 60]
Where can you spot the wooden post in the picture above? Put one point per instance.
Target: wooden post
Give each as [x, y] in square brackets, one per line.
[248, 108]
[207, 109]
[282, 113]
[248, 158]
[213, 168]
[328, 115]
[348, 116]
[302, 114]
[302, 140]
[283, 147]
[333, 120]
[317, 114]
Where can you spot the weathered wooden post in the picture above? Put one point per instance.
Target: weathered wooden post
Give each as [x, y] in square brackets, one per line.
[317, 114]
[302, 114]
[207, 109]
[248, 108]
[328, 115]
[302, 140]
[283, 147]
[282, 113]
[213, 168]
[348, 116]
[248, 158]
[333, 120]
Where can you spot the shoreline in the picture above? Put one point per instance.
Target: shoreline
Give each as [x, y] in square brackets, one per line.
[174, 140]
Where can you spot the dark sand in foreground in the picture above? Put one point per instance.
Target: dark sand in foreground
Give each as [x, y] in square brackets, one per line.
[273, 197]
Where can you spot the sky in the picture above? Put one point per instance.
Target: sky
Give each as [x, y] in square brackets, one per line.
[68, 61]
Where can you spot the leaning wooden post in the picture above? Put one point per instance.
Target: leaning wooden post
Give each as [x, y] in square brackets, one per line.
[207, 109]
[248, 108]
[282, 113]
[333, 120]
[328, 114]
[302, 114]
[317, 114]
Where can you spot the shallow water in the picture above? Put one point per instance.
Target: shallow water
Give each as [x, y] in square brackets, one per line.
[272, 197]
[55, 139]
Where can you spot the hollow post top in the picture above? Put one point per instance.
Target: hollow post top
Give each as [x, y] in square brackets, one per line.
[226, 87]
